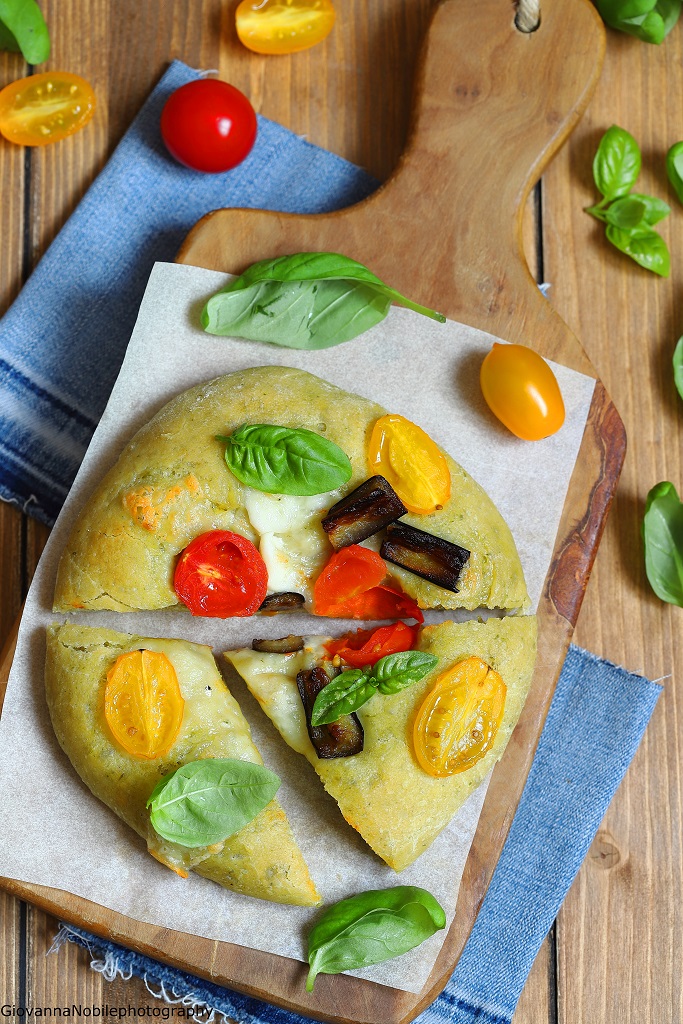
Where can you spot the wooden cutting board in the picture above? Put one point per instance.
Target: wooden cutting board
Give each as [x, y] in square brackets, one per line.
[492, 107]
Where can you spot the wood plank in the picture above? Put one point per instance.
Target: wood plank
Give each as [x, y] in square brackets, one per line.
[620, 931]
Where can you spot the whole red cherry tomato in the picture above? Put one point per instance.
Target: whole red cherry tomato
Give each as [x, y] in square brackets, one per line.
[221, 574]
[208, 125]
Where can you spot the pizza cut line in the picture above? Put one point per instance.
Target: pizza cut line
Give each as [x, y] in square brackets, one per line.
[262, 491]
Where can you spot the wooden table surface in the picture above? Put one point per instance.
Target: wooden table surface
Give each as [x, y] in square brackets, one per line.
[615, 951]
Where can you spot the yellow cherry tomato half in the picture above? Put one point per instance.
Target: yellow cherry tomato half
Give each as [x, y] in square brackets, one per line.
[45, 108]
[521, 390]
[403, 454]
[143, 704]
[459, 718]
[283, 26]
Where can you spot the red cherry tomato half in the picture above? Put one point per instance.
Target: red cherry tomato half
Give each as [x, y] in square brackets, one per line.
[521, 390]
[221, 574]
[208, 125]
[350, 587]
[367, 646]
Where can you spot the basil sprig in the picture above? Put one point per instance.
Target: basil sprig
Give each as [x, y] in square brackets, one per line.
[674, 168]
[678, 366]
[206, 801]
[23, 28]
[285, 460]
[629, 217]
[309, 300]
[648, 20]
[352, 689]
[372, 927]
[663, 536]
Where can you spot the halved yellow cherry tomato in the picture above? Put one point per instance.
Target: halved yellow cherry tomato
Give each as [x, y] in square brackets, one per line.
[459, 718]
[403, 454]
[143, 704]
[45, 108]
[521, 390]
[283, 26]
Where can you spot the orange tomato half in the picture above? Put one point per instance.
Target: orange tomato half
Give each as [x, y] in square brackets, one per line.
[45, 108]
[283, 26]
[522, 391]
[459, 718]
[416, 468]
[143, 704]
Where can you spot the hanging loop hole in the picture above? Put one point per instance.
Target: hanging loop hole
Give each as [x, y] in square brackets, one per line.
[528, 15]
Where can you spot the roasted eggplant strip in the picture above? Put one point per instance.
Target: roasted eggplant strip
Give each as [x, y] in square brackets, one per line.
[430, 557]
[338, 739]
[365, 511]
[285, 645]
[285, 602]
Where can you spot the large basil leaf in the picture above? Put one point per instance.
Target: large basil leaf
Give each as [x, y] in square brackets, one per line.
[674, 168]
[371, 927]
[343, 695]
[206, 801]
[22, 27]
[617, 163]
[678, 366]
[396, 671]
[285, 460]
[663, 536]
[649, 20]
[307, 301]
[644, 246]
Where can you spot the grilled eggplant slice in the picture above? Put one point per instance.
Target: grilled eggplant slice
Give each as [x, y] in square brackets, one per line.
[365, 511]
[338, 739]
[285, 645]
[432, 558]
[286, 602]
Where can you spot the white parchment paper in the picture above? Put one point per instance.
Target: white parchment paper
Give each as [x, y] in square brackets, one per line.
[55, 833]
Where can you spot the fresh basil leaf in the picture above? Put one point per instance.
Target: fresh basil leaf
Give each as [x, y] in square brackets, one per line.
[285, 460]
[396, 671]
[23, 28]
[663, 536]
[371, 927]
[206, 801]
[678, 366]
[300, 314]
[625, 213]
[617, 163]
[346, 693]
[648, 20]
[674, 168]
[307, 301]
[644, 246]
[655, 209]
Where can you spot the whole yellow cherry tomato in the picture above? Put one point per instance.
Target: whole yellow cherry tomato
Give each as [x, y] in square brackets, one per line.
[283, 26]
[521, 390]
[403, 454]
[143, 704]
[45, 108]
[458, 720]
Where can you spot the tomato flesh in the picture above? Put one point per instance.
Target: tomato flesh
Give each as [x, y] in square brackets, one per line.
[208, 125]
[367, 646]
[406, 456]
[220, 575]
[283, 26]
[45, 108]
[459, 718]
[143, 704]
[521, 390]
[350, 586]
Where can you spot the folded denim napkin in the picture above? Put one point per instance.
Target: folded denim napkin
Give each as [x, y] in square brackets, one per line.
[599, 710]
[63, 340]
[61, 345]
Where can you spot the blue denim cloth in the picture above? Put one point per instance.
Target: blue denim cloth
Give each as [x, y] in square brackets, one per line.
[598, 710]
[63, 340]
